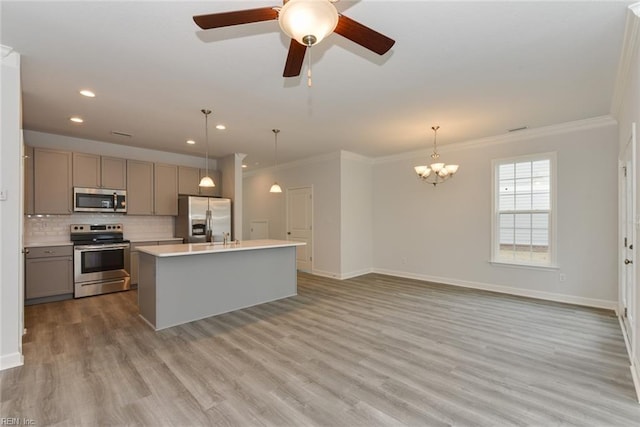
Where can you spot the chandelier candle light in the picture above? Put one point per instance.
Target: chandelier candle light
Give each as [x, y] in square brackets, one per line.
[206, 180]
[275, 188]
[436, 172]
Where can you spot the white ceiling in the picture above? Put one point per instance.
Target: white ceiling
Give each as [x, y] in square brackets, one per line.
[474, 68]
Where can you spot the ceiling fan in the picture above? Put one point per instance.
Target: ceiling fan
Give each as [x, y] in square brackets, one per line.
[307, 22]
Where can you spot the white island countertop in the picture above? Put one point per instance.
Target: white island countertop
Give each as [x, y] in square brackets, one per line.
[203, 248]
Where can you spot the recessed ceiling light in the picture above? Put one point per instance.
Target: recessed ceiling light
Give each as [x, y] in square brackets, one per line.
[244, 166]
[190, 141]
[87, 93]
[221, 127]
[76, 119]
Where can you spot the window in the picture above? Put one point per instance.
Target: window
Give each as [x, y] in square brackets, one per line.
[524, 217]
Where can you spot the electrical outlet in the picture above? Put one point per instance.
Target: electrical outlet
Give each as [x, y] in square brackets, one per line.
[562, 277]
[3, 194]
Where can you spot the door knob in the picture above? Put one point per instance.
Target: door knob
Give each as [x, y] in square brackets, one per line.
[288, 232]
[628, 261]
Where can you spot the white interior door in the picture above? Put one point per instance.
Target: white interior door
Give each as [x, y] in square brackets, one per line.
[627, 258]
[259, 229]
[300, 224]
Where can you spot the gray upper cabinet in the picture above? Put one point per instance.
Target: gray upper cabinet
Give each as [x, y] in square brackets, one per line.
[166, 189]
[28, 180]
[52, 179]
[114, 173]
[94, 171]
[151, 189]
[139, 187]
[188, 179]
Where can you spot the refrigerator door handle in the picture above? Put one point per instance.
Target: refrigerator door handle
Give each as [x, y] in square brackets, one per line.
[208, 224]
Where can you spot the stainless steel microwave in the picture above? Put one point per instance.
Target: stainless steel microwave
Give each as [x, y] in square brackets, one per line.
[99, 200]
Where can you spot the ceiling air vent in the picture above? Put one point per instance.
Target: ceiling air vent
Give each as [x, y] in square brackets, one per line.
[517, 129]
[117, 133]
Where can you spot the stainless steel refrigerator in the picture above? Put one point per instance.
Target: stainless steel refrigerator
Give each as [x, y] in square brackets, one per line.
[203, 219]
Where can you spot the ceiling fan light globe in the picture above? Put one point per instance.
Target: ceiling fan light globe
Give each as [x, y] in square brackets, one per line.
[206, 182]
[302, 18]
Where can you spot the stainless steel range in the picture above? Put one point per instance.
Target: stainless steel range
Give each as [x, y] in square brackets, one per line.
[100, 259]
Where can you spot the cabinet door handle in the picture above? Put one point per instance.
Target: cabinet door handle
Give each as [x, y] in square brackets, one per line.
[49, 252]
[25, 250]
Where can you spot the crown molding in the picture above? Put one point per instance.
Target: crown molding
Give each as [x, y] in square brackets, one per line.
[524, 135]
[335, 155]
[350, 155]
[9, 57]
[5, 50]
[630, 44]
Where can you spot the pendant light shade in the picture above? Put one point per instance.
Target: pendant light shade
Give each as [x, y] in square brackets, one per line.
[275, 188]
[206, 180]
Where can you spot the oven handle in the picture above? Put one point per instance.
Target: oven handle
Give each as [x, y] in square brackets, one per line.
[85, 248]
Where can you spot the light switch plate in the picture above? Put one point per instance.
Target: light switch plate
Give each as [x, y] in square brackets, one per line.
[3, 194]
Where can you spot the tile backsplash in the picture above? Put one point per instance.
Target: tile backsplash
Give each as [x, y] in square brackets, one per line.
[55, 228]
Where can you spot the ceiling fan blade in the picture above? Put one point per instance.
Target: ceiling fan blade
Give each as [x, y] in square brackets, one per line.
[295, 58]
[364, 36]
[226, 19]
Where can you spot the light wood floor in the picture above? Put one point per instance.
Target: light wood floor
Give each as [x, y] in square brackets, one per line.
[374, 350]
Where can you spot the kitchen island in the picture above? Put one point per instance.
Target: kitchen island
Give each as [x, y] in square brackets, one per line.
[186, 282]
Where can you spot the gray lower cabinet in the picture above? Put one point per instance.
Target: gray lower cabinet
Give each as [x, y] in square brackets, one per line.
[134, 265]
[134, 254]
[48, 271]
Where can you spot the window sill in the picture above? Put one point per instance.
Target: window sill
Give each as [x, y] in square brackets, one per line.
[550, 267]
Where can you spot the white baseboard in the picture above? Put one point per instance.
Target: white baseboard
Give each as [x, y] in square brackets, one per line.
[341, 276]
[11, 361]
[548, 296]
[635, 374]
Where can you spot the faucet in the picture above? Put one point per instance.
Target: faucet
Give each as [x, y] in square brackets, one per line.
[225, 238]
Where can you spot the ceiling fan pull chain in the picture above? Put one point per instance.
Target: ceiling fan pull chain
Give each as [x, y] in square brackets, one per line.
[309, 70]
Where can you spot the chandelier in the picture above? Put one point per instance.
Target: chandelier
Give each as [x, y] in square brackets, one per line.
[436, 172]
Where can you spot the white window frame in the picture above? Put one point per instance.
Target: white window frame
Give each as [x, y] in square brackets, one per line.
[553, 214]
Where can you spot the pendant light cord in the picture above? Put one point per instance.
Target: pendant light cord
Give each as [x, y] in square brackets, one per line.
[276, 132]
[206, 138]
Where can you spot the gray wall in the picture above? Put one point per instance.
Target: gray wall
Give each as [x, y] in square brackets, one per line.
[444, 233]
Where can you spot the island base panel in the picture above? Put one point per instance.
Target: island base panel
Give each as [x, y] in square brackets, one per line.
[193, 287]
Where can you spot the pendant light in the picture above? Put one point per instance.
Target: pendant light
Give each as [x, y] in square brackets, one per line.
[275, 188]
[206, 180]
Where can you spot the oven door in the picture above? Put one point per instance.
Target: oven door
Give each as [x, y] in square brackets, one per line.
[100, 262]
